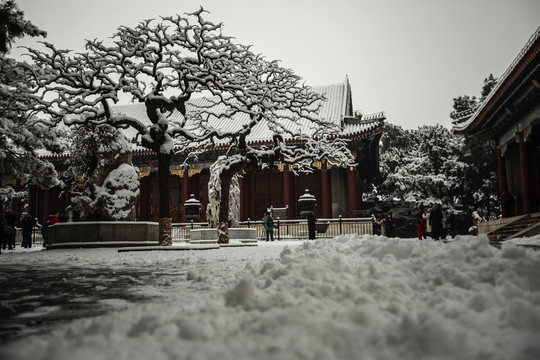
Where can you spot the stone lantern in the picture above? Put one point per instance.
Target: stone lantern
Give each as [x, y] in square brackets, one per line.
[306, 204]
[193, 209]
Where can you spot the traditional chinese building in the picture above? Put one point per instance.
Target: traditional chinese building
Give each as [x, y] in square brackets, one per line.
[338, 190]
[510, 118]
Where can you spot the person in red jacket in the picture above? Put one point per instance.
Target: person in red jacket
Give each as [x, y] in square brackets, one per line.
[54, 219]
[420, 224]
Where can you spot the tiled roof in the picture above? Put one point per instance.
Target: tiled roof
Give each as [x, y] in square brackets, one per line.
[334, 110]
[467, 121]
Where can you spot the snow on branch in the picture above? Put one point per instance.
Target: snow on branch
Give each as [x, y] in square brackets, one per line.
[163, 64]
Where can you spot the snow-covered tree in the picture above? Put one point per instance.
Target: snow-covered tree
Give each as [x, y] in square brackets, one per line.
[13, 25]
[479, 154]
[104, 184]
[21, 134]
[271, 98]
[163, 64]
[465, 105]
[159, 63]
[431, 165]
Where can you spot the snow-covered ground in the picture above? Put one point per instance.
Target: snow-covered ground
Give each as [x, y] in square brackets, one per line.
[350, 297]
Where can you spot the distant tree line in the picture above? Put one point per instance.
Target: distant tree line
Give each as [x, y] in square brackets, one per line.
[432, 165]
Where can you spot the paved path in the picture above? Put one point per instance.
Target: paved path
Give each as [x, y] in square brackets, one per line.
[35, 298]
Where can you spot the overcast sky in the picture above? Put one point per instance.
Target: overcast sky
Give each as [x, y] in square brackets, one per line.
[407, 58]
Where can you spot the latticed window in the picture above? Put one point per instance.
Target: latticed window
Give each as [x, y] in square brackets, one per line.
[268, 191]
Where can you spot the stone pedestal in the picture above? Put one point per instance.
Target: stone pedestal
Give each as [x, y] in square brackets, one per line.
[306, 204]
[210, 236]
[223, 237]
[165, 232]
[102, 234]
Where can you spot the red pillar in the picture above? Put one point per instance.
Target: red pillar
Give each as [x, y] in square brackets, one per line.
[185, 192]
[33, 205]
[251, 197]
[144, 199]
[17, 201]
[286, 187]
[525, 175]
[359, 196]
[292, 213]
[351, 187]
[503, 184]
[46, 202]
[326, 192]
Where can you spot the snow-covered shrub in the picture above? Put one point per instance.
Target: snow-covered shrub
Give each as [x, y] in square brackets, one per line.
[105, 184]
[116, 198]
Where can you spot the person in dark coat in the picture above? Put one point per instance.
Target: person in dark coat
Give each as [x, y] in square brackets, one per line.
[268, 222]
[389, 225]
[436, 219]
[420, 224]
[10, 228]
[311, 225]
[45, 232]
[27, 225]
[508, 204]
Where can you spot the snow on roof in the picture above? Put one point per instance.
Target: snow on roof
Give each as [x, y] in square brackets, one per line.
[334, 111]
[461, 123]
[337, 109]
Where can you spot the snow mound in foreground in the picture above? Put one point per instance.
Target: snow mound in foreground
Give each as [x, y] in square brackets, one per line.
[344, 298]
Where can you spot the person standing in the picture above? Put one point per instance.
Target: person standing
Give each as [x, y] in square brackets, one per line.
[427, 223]
[382, 223]
[10, 228]
[54, 219]
[311, 225]
[45, 231]
[436, 219]
[268, 222]
[389, 225]
[508, 204]
[27, 225]
[420, 224]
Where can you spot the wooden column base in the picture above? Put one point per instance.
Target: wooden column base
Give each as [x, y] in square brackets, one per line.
[223, 233]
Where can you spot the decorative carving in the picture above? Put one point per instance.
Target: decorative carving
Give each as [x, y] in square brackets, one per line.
[503, 149]
[527, 133]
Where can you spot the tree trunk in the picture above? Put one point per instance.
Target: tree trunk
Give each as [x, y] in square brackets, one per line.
[165, 221]
[223, 223]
